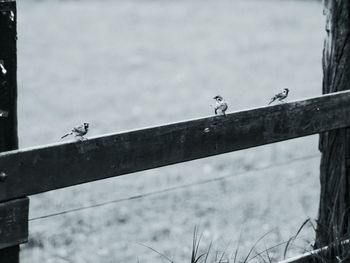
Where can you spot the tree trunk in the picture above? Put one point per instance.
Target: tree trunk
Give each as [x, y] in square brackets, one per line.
[333, 218]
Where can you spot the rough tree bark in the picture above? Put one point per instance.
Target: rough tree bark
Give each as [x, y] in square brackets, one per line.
[333, 218]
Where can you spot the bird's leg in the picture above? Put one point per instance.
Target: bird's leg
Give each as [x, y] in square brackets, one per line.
[282, 101]
[79, 138]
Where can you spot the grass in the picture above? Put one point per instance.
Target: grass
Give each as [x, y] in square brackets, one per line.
[208, 255]
[128, 64]
[337, 251]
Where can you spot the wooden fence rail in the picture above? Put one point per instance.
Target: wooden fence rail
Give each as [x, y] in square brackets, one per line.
[36, 170]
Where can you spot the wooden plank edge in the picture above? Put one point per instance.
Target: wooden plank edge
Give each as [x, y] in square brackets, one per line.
[111, 134]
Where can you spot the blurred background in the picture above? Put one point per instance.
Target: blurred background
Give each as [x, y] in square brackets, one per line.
[124, 65]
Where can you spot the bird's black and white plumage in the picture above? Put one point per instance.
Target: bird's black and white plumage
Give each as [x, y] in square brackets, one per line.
[220, 105]
[280, 96]
[78, 131]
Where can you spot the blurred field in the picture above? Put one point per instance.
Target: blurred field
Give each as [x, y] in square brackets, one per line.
[128, 64]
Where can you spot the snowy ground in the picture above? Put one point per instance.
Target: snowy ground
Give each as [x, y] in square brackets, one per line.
[128, 64]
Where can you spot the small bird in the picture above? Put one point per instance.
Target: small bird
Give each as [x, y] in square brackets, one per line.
[220, 105]
[280, 96]
[78, 131]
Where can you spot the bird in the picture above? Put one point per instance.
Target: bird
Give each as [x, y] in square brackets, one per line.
[220, 105]
[78, 131]
[280, 96]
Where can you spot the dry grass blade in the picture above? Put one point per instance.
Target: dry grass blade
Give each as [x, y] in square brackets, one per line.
[262, 258]
[224, 252]
[253, 247]
[268, 254]
[236, 253]
[195, 246]
[207, 254]
[159, 253]
[237, 248]
[222, 256]
[292, 239]
[268, 249]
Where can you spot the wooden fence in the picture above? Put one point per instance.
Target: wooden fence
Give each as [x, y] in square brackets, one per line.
[30, 171]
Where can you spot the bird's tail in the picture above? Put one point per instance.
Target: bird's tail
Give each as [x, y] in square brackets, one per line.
[272, 100]
[70, 133]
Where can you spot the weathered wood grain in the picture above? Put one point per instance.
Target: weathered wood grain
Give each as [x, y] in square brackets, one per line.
[13, 222]
[334, 213]
[36, 170]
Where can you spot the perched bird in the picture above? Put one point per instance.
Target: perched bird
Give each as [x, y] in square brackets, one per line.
[78, 131]
[280, 96]
[220, 105]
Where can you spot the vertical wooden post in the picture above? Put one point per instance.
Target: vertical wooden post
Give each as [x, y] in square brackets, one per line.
[334, 208]
[8, 76]
[10, 254]
[8, 95]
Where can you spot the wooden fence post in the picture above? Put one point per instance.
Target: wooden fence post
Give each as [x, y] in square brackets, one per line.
[334, 208]
[8, 76]
[13, 214]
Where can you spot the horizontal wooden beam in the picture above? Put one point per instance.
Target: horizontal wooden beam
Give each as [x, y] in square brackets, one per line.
[14, 222]
[40, 169]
